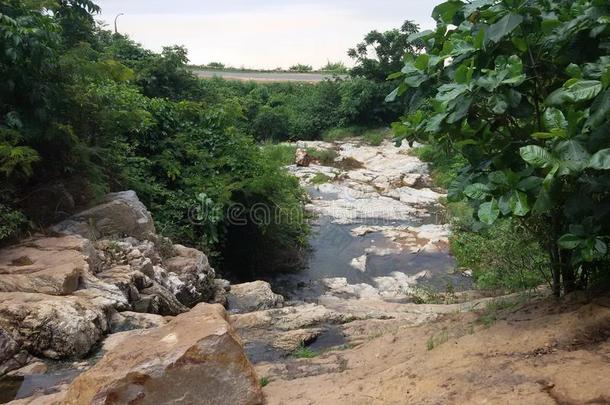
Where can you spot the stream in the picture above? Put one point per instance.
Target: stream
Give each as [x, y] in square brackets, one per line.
[379, 230]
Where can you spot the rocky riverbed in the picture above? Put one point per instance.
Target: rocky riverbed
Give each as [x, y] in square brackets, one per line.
[102, 309]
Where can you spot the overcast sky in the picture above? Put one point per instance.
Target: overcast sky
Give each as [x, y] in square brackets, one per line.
[261, 33]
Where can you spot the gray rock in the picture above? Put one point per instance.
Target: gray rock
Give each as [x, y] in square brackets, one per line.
[196, 275]
[254, 296]
[119, 214]
[126, 321]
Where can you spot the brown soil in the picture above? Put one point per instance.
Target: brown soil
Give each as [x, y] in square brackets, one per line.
[540, 352]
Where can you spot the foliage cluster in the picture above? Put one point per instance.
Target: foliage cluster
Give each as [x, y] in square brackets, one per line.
[83, 112]
[521, 90]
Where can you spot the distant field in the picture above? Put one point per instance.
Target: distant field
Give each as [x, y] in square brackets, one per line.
[265, 76]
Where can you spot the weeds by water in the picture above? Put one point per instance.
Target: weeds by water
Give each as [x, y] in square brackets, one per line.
[264, 381]
[320, 178]
[304, 352]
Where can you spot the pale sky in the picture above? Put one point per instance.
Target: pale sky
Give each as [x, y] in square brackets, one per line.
[262, 34]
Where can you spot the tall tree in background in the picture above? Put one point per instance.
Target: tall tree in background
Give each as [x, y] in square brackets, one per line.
[382, 53]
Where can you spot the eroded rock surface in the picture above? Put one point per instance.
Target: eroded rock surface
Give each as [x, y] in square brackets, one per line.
[59, 295]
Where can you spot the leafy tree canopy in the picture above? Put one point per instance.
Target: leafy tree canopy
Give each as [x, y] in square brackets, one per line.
[521, 89]
[382, 53]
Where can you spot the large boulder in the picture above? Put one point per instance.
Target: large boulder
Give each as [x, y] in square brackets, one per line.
[254, 296]
[195, 359]
[49, 326]
[118, 214]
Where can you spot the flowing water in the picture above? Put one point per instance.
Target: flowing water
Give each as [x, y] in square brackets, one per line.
[367, 235]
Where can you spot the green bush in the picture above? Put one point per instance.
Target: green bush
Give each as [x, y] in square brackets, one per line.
[506, 257]
[11, 222]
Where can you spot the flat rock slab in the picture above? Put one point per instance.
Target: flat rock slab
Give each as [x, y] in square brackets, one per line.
[46, 265]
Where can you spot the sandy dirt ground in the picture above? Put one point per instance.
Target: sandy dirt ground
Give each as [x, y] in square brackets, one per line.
[536, 351]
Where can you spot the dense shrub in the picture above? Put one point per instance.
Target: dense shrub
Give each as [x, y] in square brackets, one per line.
[521, 89]
[84, 112]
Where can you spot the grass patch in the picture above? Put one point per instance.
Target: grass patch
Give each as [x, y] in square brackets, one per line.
[445, 166]
[320, 178]
[326, 157]
[304, 352]
[370, 136]
[437, 339]
[264, 381]
[338, 134]
[375, 137]
[281, 154]
[493, 311]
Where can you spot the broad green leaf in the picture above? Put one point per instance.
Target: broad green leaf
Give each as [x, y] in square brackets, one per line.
[554, 118]
[600, 160]
[504, 204]
[420, 35]
[422, 61]
[519, 204]
[600, 110]
[477, 191]
[543, 203]
[520, 43]
[498, 177]
[448, 92]
[601, 246]
[573, 155]
[504, 27]
[475, 5]
[555, 133]
[446, 11]
[529, 183]
[550, 177]
[575, 91]
[390, 98]
[537, 156]
[489, 212]
[435, 122]
[570, 241]
[574, 71]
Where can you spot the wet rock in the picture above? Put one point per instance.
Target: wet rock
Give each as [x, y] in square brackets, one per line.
[196, 358]
[408, 195]
[289, 318]
[125, 321]
[56, 398]
[37, 367]
[118, 214]
[254, 296]
[294, 339]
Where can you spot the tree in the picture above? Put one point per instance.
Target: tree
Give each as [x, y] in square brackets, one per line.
[301, 68]
[382, 53]
[521, 89]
